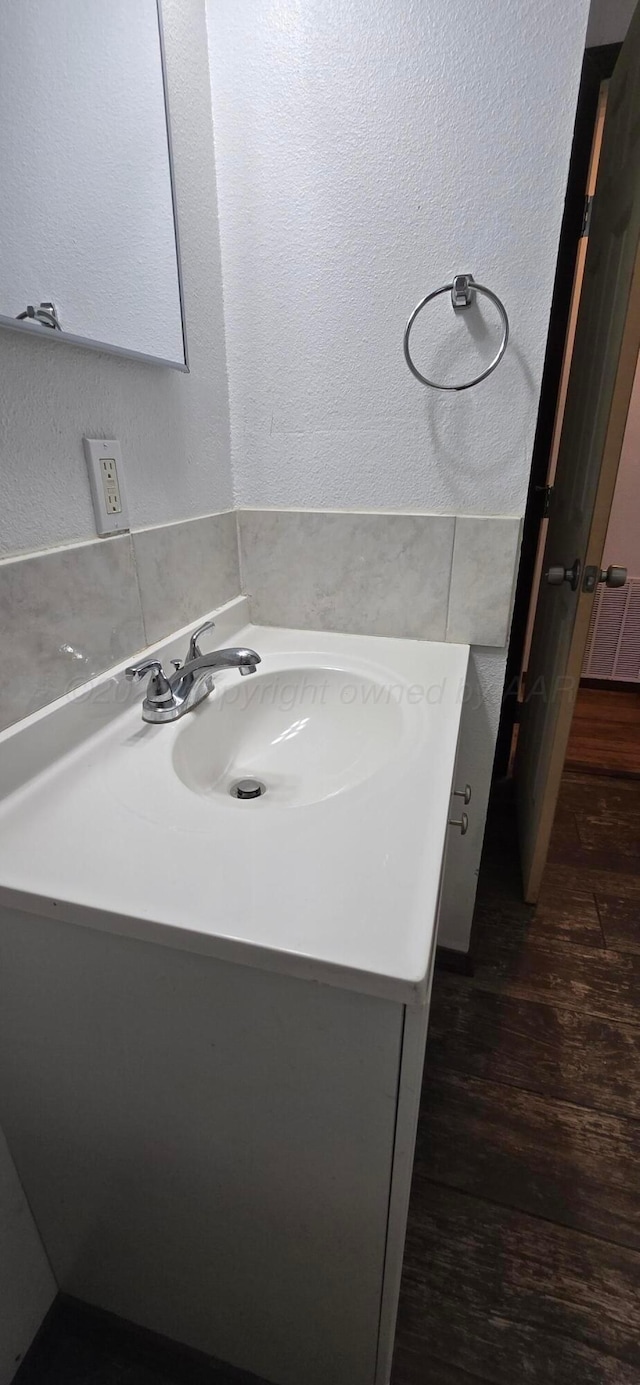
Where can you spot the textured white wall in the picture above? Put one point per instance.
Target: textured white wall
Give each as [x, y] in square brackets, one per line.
[365, 153]
[174, 428]
[87, 217]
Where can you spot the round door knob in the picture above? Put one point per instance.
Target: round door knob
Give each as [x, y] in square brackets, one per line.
[462, 822]
[555, 576]
[614, 576]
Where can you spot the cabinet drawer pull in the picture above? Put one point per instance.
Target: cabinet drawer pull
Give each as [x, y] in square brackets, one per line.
[464, 793]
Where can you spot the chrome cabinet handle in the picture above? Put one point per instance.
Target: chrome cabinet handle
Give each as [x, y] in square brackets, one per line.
[194, 649]
[462, 822]
[464, 794]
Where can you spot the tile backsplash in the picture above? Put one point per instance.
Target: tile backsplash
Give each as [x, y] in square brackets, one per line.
[485, 556]
[425, 576]
[67, 614]
[367, 574]
[185, 569]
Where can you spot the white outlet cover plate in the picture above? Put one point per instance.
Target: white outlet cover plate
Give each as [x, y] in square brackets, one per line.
[96, 451]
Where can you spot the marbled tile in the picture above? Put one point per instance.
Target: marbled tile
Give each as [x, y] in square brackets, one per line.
[66, 615]
[485, 555]
[186, 569]
[367, 574]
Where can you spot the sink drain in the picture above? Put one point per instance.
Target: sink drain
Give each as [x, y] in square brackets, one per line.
[247, 788]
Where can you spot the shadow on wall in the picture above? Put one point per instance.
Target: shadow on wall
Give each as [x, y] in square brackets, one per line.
[453, 435]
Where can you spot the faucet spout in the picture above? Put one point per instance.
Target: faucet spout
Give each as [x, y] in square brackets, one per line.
[244, 659]
[194, 681]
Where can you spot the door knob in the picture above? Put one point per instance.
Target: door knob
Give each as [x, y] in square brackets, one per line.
[462, 822]
[614, 576]
[557, 575]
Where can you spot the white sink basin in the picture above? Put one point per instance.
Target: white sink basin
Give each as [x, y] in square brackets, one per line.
[112, 823]
[303, 733]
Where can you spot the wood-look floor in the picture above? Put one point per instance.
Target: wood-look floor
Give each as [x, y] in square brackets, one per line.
[522, 1261]
[605, 733]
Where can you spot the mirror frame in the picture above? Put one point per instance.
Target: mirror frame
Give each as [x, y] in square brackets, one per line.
[70, 337]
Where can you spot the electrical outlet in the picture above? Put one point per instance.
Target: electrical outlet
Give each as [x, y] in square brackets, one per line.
[110, 485]
[104, 463]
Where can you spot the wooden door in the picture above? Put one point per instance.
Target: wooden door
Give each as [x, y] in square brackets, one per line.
[600, 383]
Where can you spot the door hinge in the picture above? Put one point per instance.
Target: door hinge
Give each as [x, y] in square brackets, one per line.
[546, 493]
[586, 216]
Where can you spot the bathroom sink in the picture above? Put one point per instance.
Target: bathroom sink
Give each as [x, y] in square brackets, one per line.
[112, 822]
[302, 734]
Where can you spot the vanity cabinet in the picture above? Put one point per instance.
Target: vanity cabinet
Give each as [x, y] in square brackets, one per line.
[219, 1153]
[213, 1013]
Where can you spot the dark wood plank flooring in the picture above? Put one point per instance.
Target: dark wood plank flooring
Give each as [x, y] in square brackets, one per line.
[522, 1262]
[605, 733]
[523, 1252]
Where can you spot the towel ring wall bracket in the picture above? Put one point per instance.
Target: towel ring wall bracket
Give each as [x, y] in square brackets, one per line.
[463, 289]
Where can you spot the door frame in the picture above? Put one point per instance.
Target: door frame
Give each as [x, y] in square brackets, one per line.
[598, 65]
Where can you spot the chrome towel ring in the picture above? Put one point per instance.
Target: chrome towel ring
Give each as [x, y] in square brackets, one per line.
[463, 290]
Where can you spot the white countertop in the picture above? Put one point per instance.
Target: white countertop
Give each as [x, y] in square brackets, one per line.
[97, 828]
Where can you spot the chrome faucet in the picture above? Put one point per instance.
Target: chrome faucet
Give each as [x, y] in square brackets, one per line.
[170, 697]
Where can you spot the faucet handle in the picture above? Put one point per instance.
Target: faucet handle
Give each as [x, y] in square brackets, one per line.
[194, 648]
[146, 666]
[159, 689]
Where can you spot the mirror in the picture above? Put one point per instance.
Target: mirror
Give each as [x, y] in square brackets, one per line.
[89, 247]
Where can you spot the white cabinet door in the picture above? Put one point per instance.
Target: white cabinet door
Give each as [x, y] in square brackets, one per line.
[207, 1148]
